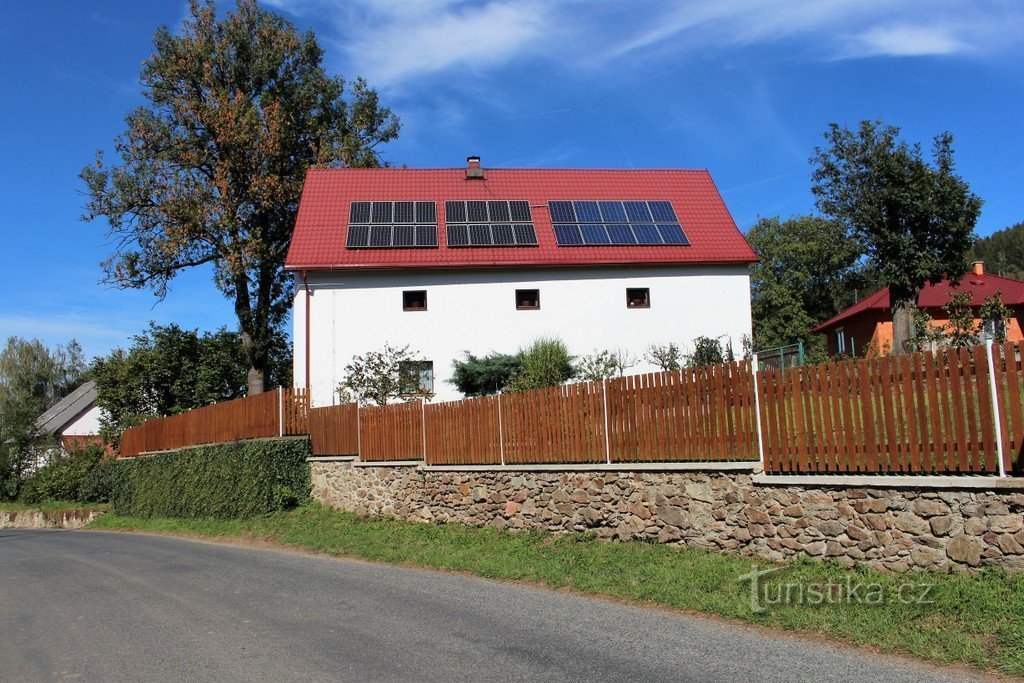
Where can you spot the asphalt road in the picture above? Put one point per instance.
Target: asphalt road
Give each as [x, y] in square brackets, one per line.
[95, 606]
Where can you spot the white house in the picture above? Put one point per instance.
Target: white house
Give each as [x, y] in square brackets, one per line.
[73, 421]
[482, 260]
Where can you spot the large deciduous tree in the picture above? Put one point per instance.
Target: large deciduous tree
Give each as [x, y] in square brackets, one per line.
[169, 370]
[808, 271]
[212, 166]
[32, 378]
[914, 219]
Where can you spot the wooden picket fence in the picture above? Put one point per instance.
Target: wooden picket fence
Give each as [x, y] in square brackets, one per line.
[334, 430]
[282, 412]
[926, 413]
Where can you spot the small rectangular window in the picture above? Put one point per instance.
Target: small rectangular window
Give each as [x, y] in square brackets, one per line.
[414, 300]
[527, 299]
[840, 341]
[417, 377]
[638, 297]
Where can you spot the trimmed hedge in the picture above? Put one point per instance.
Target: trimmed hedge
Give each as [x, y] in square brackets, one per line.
[240, 479]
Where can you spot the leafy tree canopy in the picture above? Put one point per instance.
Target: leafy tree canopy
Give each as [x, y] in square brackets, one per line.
[169, 370]
[32, 378]
[809, 270]
[913, 219]
[380, 377]
[211, 167]
[1002, 251]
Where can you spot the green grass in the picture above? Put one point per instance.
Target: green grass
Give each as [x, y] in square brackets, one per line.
[976, 619]
[50, 505]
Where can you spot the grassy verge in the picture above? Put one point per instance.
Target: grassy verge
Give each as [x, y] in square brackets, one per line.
[50, 505]
[968, 619]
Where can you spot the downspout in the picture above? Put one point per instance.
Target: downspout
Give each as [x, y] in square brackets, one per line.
[305, 286]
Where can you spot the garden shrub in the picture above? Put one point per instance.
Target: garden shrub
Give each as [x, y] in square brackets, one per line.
[240, 479]
[70, 476]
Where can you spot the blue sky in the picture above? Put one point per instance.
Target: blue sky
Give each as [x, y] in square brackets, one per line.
[744, 88]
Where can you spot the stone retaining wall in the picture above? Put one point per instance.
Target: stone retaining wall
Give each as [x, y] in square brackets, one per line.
[48, 519]
[895, 529]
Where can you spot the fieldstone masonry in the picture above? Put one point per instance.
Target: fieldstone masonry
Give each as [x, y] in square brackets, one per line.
[894, 529]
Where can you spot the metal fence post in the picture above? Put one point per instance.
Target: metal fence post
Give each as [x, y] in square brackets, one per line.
[501, 433]
[607, 433]
[280, 411]
[423, 427]
[995, 405]
[757, 411]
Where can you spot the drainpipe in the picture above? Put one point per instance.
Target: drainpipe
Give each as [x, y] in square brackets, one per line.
[305, 286]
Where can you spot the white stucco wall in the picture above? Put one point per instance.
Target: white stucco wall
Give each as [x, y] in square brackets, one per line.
[474, 310]
[86, 423]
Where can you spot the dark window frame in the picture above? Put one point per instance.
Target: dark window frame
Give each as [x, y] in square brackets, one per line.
[521, 297]
[630, 298]
[407, 297]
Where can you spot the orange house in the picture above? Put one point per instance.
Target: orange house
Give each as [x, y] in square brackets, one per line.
[865, 328]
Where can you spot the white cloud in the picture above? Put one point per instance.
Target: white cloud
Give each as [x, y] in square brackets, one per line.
[391, 41]
[903, 40]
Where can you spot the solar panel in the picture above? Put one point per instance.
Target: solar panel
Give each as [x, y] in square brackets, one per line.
[502, 233]
[594, 234]
[491, 223]
[359, 212]
[383, 225]
[646, 233]
[476, 212]
[568, 234]
[479, 234]
[381, 212]
[380, 236]
[525, 234]
[616, 222]
[404, 212]
[520, 211]
[358, 236]
[403, 236]
[426, 235]
[426, 213]
[672, 233]
[458, 235]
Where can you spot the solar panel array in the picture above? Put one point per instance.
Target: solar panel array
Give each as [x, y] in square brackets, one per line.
[390, 225]
[493, 223]
[578, 223]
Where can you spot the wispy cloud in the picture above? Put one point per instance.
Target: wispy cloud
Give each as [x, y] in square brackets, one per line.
[392, 41]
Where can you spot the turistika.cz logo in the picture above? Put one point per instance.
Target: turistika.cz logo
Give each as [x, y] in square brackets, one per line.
[766, 594]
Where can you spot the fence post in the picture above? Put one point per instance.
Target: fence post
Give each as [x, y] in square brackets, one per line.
[607, 434]
[280, 411]
[501, 433]
[995, 405]
[757, 411]
[359, 433]
[423, 427]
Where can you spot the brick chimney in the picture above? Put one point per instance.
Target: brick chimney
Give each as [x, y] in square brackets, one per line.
[473, 169]
[978, 267]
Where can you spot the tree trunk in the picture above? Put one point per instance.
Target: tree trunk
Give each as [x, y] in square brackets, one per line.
[902, 325]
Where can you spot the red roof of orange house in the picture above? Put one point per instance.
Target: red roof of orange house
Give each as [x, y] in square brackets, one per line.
[980, 287]
[319, 239]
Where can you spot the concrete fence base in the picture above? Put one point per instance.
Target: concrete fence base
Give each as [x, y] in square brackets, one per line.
[48, 519]
[893, 528]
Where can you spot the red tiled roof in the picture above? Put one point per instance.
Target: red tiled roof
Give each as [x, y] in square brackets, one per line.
[318, 241]
[981, 287]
